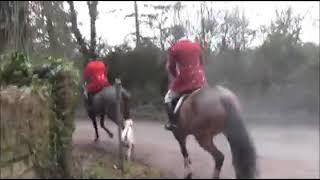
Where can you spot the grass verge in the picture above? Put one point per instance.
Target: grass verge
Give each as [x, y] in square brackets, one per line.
[95, 164]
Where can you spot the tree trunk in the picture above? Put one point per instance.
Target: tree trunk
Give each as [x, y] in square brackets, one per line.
[22, 25]
[202, 27]
[137, 24]
[203, 37]
[92, 5]
[47, 5]
[74, 28]
[6, 13]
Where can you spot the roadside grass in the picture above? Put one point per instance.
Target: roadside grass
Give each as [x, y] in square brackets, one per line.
[94, 164]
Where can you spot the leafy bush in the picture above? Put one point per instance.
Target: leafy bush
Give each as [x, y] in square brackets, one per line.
[141, 70]
[15, 69]
[58, 81]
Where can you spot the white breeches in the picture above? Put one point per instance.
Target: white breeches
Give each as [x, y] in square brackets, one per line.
[170, 96]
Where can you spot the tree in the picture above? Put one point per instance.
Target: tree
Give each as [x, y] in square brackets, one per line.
[14, 25]
[177, 7]
[46, 10]
[136, 15]
[281, 52]
[49, 29]
[91, 51]
[93, 17]
[235, 31]
[6, 23]
[209, 28]
[158, 20]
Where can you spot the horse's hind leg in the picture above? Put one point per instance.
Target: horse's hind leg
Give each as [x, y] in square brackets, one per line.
[206, 142]
[102, 125]
[187, 161]
[93, 119]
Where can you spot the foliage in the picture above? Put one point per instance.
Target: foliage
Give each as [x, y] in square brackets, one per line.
[49, 29]
[14, 24]
[281, 60]
[15, 69]
[57, 82]
[281, 53]
[132, 67]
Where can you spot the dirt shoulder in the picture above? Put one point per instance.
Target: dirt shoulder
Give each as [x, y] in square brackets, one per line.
[92, 162]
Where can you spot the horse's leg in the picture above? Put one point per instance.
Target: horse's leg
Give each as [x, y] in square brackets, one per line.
[129, 152]
[93, 119]
[206, 142]
[187, 161]
[132, 152]
[102, 125]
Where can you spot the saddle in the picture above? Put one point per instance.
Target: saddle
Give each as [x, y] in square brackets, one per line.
[179, 100]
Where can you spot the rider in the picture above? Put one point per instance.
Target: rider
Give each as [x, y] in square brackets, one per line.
[186, 67]
[95, 75]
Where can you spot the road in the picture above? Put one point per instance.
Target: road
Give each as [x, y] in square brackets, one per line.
[282, 152]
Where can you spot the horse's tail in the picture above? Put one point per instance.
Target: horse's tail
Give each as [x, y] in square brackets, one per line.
[242, 148]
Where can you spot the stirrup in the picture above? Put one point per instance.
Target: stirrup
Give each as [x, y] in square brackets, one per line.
[170, 126]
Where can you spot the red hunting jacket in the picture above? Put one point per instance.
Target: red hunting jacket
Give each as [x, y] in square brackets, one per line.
[95, 72]
[185, 66]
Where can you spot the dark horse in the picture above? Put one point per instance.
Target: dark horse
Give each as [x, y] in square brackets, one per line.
[104, 104]
[206, 113]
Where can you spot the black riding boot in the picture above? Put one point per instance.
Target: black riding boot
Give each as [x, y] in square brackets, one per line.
[171, 124]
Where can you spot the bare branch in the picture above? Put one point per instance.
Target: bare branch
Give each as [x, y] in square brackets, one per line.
[74, 28]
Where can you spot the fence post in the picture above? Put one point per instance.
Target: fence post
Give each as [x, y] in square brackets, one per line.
[119, 120]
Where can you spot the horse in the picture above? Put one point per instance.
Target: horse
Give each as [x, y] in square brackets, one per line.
[104, 104]
[207, 112]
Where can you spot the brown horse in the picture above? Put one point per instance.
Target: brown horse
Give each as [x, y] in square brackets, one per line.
[206, 113]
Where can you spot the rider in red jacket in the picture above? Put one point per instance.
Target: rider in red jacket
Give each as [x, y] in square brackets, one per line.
[95, 74]
[186, 67]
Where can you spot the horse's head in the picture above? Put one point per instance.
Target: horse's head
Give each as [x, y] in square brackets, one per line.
[128, 123]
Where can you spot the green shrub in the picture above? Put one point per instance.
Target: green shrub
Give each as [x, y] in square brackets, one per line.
[58, 82]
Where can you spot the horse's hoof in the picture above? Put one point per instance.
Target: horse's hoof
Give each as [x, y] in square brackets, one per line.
[189, 176]
[216, 174]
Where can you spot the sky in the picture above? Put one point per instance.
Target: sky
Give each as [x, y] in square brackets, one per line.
[113, 27]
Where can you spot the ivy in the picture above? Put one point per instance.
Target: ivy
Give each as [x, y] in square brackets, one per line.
[55, 81]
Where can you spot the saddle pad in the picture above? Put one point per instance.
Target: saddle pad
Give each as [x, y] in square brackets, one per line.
[181, 100]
